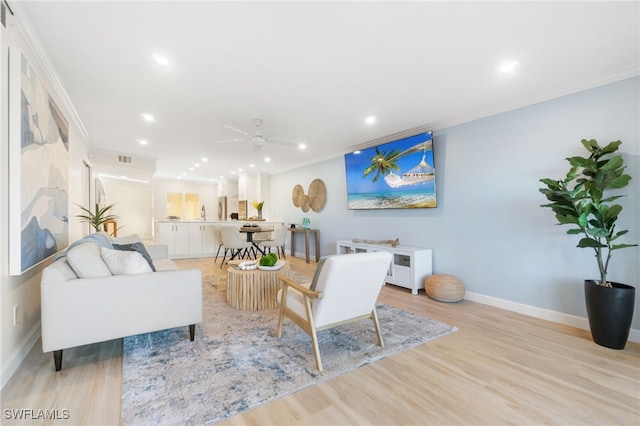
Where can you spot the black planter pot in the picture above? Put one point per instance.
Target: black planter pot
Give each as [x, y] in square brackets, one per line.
[610, 311]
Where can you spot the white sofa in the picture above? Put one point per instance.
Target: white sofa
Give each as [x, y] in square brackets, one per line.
[83, 310]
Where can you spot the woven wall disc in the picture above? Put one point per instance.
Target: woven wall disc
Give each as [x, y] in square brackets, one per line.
[296, 196]
[317, 195]
[305, 203]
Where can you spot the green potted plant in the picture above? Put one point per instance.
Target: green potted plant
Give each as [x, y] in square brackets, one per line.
[580, 201]
[97, 218]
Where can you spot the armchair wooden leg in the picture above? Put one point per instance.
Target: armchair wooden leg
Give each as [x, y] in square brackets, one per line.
[192, 331]
[57, 359]
[310, 328]
[281, 316]
[316, 349]
[279, 327]
[376, 324]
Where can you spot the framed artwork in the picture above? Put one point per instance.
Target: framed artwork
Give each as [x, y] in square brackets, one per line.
[100, 194]
[38, 169]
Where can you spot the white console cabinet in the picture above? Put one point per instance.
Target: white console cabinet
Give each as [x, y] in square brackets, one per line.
[409, 267]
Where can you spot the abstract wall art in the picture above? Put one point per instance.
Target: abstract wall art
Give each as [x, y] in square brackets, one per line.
[38, 169]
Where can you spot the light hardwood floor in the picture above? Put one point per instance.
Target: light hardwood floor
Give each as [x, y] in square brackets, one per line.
[499, 368]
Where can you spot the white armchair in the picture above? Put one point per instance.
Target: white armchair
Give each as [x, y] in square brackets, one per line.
[344, 288]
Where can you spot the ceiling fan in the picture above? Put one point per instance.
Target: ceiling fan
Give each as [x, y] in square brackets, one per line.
[257, 138]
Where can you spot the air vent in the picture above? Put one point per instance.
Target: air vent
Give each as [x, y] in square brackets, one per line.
[125, 159]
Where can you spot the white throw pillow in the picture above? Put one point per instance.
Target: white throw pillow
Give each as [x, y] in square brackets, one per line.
[124, 262]
[86, 262]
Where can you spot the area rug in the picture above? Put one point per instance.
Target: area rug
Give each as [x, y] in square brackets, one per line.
[236, 363]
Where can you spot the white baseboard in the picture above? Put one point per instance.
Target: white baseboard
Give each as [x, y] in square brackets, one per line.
[546, 314]
[19, 354]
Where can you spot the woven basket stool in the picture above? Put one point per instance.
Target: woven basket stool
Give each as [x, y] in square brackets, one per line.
[443, 287]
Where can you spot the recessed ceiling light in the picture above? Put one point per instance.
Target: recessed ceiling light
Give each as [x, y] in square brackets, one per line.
[191, 168]
[160, 59]
[302, 146]
[197, 165]
[370, 119]
[148, 117]
[508, 66]
[143, 142]
[204, 159]
[267, 159]
[252, 165]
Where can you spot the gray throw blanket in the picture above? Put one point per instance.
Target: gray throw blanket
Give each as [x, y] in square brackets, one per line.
[101, 240]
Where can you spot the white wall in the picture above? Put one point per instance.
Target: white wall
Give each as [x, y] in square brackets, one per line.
[208, 196]
[489, 228]
[133, 206]
[24, 290]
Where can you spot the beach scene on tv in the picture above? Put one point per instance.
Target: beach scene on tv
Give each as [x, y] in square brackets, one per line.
[394, 175]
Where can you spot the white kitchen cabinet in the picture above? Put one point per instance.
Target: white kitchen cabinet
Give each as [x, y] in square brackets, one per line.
[194, 239]
[202, 241]
[175, 235]
[409, 266]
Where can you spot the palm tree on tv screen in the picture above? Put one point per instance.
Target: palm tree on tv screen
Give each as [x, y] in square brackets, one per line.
[383, 163]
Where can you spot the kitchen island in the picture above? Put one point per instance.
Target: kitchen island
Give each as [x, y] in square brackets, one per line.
[187, 239]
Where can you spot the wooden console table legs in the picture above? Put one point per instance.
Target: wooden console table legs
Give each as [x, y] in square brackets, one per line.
[306, 232]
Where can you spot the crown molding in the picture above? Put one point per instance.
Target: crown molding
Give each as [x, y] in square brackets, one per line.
[32, 42]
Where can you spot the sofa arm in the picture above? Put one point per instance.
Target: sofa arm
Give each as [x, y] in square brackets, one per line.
[158, 251]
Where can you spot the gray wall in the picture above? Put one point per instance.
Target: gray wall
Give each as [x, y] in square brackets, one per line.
[488, 228]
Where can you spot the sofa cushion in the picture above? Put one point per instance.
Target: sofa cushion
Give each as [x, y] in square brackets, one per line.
[124, 262]
[165, 265]
[58, 272]
[138, 247]
[86, 261]
[129, 239]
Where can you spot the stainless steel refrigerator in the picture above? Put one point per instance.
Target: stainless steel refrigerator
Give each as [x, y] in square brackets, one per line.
[222, 207]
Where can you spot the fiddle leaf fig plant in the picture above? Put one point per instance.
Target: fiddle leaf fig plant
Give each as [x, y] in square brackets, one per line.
[97, 218]
[579, 200]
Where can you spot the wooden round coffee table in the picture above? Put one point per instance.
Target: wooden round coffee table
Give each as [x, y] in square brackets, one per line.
[253, 290]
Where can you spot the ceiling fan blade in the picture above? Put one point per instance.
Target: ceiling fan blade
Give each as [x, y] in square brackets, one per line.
[229, 140]
[236, 129]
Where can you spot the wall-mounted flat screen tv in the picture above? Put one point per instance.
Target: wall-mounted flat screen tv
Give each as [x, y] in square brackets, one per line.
[395, 175]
